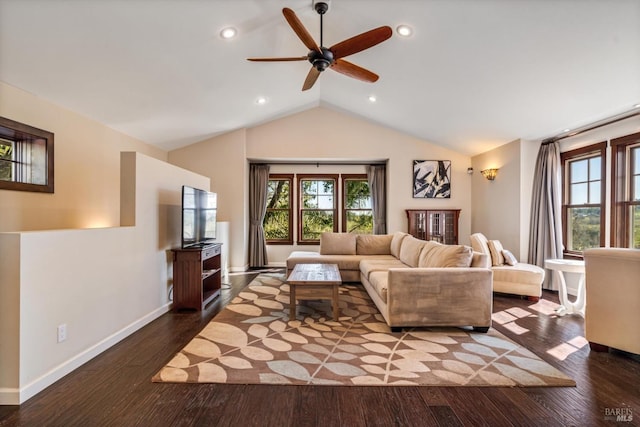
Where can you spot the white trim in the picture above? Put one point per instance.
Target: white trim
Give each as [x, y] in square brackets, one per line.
[14, 396]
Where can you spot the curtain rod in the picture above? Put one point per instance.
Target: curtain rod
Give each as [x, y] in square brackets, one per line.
[317, 163]
[596, 125]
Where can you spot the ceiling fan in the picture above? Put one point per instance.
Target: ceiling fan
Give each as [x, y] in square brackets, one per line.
[322, 58]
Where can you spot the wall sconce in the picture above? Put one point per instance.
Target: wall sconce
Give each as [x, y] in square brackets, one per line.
[490, 174]
[469, 171]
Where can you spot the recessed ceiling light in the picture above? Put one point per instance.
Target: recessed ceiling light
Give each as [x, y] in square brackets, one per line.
[566, 130]
[372, 98]
[228, 33]
[636, 106]
[404, 30]
[261, 100]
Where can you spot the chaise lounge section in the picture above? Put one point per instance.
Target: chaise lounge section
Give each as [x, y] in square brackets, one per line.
[518, 279]
[411, 281]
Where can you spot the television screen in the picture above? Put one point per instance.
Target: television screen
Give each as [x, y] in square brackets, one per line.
[199, 210]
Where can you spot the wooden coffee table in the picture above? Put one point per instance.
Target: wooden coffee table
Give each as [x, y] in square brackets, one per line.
[314, 281]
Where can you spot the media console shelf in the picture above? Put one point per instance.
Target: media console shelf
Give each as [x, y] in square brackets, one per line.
[197, 276]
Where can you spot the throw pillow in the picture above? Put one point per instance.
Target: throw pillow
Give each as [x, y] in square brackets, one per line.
[495, 248]
[509, 259]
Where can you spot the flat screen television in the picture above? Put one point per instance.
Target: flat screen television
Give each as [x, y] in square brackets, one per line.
[199, 209]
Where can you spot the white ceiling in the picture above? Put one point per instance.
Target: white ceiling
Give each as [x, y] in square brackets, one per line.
[474, 75]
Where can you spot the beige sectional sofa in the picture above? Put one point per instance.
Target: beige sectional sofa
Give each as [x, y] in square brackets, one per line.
[518, 279]
[412, 282]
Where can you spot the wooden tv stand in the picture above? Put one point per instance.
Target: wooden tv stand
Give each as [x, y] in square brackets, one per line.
[197, 276]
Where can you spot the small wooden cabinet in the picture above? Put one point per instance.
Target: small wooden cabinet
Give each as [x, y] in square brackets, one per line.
[197, 276]
[438, 225]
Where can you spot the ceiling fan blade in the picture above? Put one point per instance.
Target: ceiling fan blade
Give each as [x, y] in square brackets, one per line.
[353, 70]
[311, 78]
[361, 42]
[300, 30]
[294, 58]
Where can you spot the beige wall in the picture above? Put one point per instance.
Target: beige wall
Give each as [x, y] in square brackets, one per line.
[496, 205]
[322, 134]
[223, 160]
[502, 209]
[104, 283]
[87, 168]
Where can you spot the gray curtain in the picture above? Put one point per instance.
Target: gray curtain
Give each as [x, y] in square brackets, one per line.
[258, 182]
[545, 232]
[376, 178]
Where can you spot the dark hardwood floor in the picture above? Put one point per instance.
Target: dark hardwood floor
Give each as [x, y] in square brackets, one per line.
[115, 388]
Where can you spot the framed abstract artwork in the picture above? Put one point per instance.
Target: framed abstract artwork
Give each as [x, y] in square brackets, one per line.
[431, 179]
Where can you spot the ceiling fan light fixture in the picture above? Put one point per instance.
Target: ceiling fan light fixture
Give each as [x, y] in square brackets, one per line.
[228, 33]
[404, 30]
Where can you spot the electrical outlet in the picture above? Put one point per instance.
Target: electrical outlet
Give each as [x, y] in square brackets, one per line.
[62, 332]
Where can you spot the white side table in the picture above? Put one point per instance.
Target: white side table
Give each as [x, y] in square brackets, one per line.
[561, 266]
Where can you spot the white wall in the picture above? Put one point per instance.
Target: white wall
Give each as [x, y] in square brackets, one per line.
[104, 284]
[324, 135]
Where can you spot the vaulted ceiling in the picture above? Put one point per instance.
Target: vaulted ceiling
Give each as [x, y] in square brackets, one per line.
[473, 75]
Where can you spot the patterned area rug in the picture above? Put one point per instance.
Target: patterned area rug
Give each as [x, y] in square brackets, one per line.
[252, 341]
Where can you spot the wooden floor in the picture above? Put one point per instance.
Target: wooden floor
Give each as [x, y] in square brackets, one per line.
[115, 388]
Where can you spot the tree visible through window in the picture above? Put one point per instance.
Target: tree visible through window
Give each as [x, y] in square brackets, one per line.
[317, 208]
[583, 198]
[277, 221]
[358, 214]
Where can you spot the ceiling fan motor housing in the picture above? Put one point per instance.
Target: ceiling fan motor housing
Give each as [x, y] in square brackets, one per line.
[321, 61]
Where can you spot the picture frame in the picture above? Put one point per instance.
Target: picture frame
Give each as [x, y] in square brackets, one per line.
[432, 179]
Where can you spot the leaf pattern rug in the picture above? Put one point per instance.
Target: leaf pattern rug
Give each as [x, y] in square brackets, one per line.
[253, 341]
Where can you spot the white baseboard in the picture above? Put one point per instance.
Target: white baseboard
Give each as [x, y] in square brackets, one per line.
[10, 396]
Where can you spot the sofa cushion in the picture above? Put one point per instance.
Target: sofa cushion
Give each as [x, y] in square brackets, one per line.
[379, 280]
[337, 243]
[302, 257]
[480, 260]
[495, 248]
[368, 266]
[373, 244]
[396, 243]
[522, 273]
[437, 255]
[410, 250]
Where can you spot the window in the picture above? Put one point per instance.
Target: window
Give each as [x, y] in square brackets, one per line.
[278, 218]
[583, 205]
[317, 207]
[357, 214]
[26, 157]
[625, 168]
